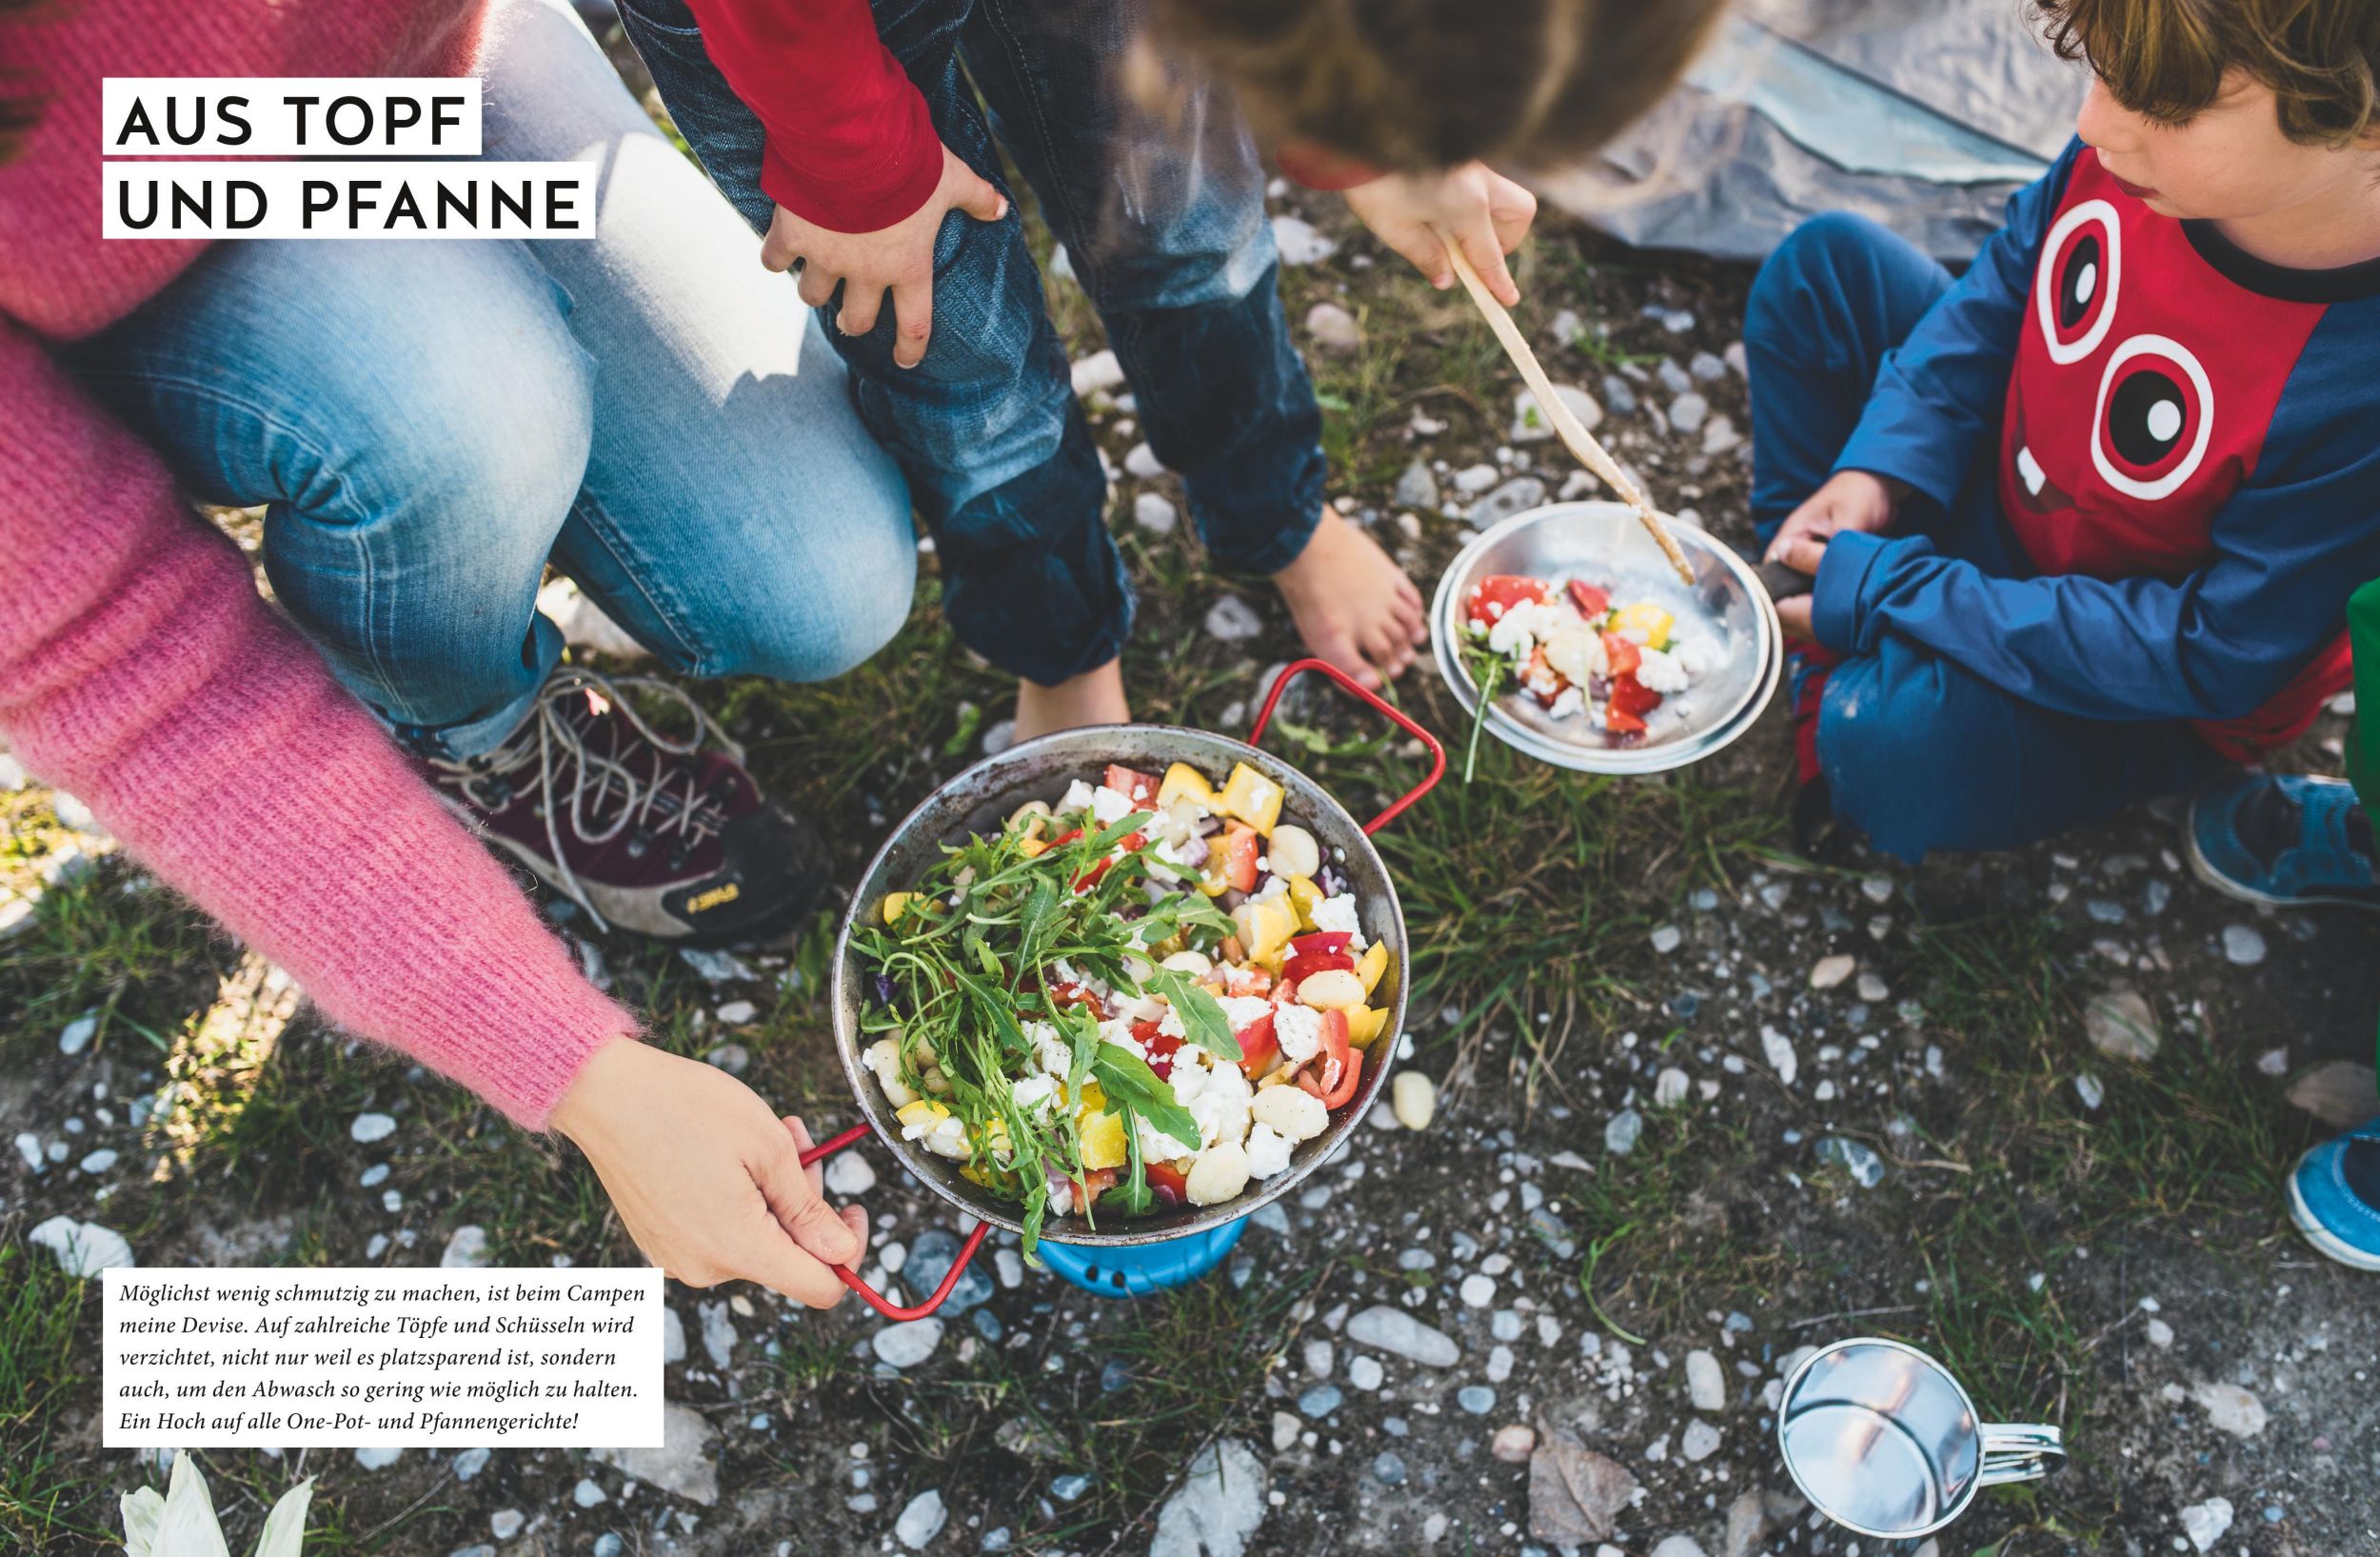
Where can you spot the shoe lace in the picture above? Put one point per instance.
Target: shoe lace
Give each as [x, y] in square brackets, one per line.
[553, 742]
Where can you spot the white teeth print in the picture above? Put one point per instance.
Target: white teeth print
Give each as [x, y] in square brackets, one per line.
[2029, 469]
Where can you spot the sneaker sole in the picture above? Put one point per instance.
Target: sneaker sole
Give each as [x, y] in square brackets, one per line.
[2204, 870]
[2326, 1242]
[635, 912]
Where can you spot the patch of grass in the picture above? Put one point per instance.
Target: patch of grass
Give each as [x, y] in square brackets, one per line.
[46, 1492]
[1661, 1240]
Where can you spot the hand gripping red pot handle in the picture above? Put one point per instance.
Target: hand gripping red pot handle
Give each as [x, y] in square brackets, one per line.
[851, 1278]
[1438, 752]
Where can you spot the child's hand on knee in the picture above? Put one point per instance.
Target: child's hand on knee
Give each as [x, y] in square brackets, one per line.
[1851, 500]
[707, 1179]
[1485, 213]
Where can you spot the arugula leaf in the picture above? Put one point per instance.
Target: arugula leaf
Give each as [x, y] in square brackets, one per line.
[1203, 1017]
[1123, 828]
[1131, 1194]
[1130, 1085]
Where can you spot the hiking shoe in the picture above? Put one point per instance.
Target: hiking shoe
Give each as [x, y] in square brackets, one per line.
[670, 838]
[2284, 839]
[2334, 1197]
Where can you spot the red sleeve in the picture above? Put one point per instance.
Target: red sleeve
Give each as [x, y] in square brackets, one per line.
[850, 145]
[1318, 167]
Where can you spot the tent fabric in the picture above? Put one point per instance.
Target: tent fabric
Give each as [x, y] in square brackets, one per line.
[1924, 114]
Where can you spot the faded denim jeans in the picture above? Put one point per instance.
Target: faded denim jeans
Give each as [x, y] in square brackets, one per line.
[431, 423]
[1171, 243]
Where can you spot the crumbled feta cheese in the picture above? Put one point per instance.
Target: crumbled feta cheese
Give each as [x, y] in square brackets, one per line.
[1272, 888]
[1157, 1146]
[1523, 627]
[1034, 1093]
[1268, 1151]
[1052, 1054]
[1568, 705]
[1060, 1197]
[1659, 672]
[1700, 655]
[1242, 1011]
[1170, 1024]
[1300, 1030]
[1222, 1106]
[1109, 806]
[1334, 914]
[1189, 1075]
[1077, 798]
[1118, 1032]
[942, 1134]
[1576, 653]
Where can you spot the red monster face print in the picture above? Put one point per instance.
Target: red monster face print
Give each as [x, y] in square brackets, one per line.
[2143, 384]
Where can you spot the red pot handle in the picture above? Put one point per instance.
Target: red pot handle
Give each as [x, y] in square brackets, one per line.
[1438, 752]
[851, 1278]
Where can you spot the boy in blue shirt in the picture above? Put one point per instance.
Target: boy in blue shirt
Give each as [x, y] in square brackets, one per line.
[2084, 523]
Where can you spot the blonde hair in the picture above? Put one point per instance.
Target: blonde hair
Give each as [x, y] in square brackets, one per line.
[1435, 83]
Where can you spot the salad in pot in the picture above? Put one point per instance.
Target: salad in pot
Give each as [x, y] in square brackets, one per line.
[1145, 993]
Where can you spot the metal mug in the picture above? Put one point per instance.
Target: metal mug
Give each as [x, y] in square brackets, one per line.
[1882, 1440]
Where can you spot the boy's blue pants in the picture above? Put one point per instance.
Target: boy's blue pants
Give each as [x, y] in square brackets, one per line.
[1164, 227]
[1918, 752]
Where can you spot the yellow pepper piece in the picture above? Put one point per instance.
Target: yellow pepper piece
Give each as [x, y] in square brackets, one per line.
[896, 904]
[991, 1137]
[1647, 618]
[1373, 963]
[923, 1111]
[1032, 848]
[1094, 1099]
[1183, 782]
[1103, 1141]
[1253, 798]
[1364, 1023]
[1305, 897]
[1264, 928]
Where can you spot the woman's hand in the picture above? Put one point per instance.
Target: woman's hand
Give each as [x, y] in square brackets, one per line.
[899, 259]
[707, 1179]
[1486, 214]
[1850, 500]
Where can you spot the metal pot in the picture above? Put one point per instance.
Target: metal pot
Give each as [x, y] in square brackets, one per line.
[978, 800]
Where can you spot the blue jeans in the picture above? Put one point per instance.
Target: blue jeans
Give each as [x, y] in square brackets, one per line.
[431, 423]
[1920, 752]
[1173, 247]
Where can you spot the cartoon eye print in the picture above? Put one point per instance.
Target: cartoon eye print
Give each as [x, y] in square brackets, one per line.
[2074, 285]
[2155, 417]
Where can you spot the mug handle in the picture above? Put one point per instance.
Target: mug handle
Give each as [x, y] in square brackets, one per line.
[851, 1277]
[2019, 1451]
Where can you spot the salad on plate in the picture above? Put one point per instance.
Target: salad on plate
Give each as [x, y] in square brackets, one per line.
[1614, 666]
[1145, 993]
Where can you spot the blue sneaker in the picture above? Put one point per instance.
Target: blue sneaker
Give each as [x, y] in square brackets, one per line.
[2284, 839]
[2334, 1197]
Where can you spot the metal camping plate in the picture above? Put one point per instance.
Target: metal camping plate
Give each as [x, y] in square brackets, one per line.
[978, 800]
[1605, 542]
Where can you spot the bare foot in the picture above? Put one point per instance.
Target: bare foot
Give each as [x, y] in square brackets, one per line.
[1354, 605]
[1094, 697]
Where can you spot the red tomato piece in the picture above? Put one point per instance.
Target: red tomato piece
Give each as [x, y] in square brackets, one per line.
[1246, 980]
[1340, 1070]
[1500, 593]
[1625, 654]
[1592, 602]
[1169, 1183]
[1629, 695]
[1093, 1184]
[1299, 968]
[1090, 878]
[1240, 846]
[1062, 995]
[1160, 1045]
[1620, 722]
[1257, 1045]
[1135, 786]
[1325, 941]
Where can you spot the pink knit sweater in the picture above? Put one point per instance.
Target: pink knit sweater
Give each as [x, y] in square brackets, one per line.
[138, 667]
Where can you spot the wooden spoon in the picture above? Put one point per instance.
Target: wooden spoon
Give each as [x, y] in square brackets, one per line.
[1582, 443]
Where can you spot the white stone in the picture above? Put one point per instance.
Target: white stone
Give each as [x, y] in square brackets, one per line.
[1833, 971]
[1098, 371]
[368, 1127]
[1531, 424]
[1671, 1087]
[2243, 945]
[378, 1459]
[2230, 1408]
[1299, 243]
[1699, 1440]
[1219, 1505]
[1155, 513]
[1333, 328]
[1478, 1291]
[1399, 1335]
[2205, 1523]
[99, 1161]
[907, 1345]
[465, 1251]
[736, 1012]
[683, 1465]
[848, 1175]
[1143, 462]
[77, 1034]
[922, 1519]
[83, 1249]
[1706, 1384]
[1233, 620]
[1779, 1050]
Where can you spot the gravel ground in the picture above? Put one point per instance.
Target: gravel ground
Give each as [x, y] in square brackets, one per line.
[2028, 1111]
